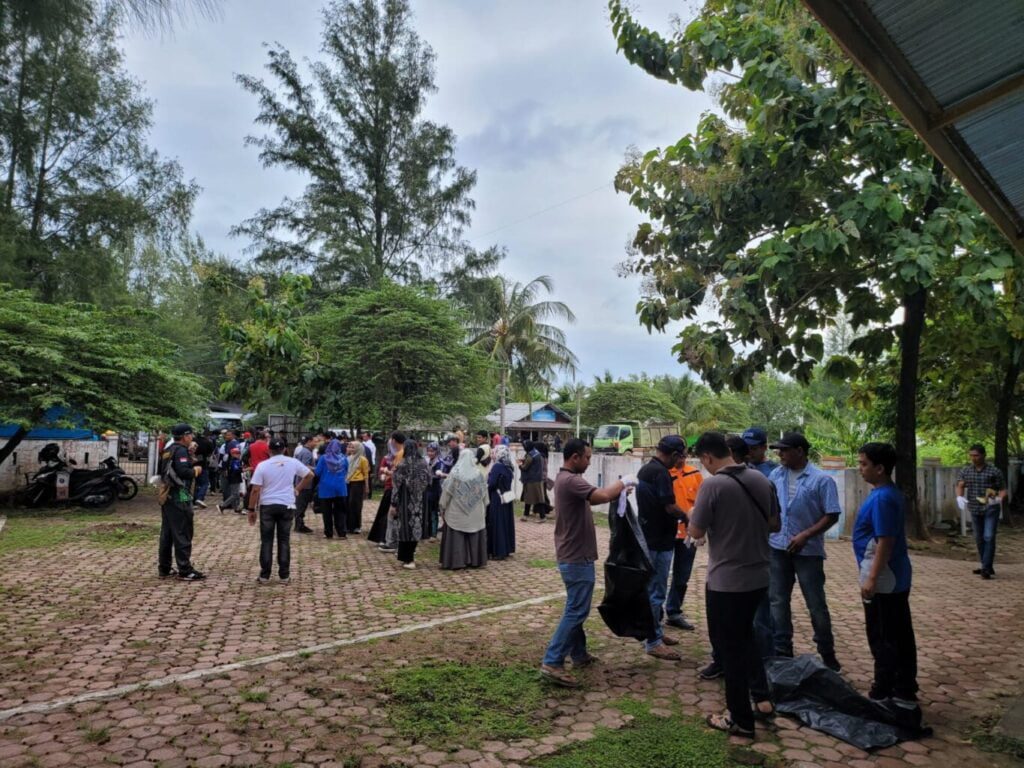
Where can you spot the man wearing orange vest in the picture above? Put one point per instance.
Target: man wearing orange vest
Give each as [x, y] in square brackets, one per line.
[685, 482]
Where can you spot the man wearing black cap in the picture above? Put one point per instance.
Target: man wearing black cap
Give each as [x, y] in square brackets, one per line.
[757, 449]
[176, 516]
[659, 518]
[810, 506]
[303, 454]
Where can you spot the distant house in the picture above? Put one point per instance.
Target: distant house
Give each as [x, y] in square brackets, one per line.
[533, 421]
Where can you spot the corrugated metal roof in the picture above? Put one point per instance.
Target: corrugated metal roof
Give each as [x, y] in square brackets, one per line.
[955, 70]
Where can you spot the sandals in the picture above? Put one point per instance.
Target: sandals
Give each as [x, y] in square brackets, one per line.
[725, 723]
[558, 676]
[760, 714]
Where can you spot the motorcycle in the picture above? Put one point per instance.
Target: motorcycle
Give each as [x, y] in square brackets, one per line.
[58, 482]
[127, 488]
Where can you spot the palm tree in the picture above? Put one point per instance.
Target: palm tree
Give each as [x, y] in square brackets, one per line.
[511, 325]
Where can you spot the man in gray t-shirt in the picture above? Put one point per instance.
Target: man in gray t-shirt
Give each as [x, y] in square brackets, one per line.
[736, 510]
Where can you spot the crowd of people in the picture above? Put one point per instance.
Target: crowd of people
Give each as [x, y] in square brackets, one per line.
[764, 523]
[461, 494]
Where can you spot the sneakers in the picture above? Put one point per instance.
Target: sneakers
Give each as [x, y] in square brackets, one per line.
[981, 572]
[263, 580]
[358, 531]
[191, 576]
[168, 575]
[987, 575]
[220, 509]
[304, 529]
[663, 653]
[679, 622]
[830, 661]
[389, 550]
[409, 566]
[712, 671]
[200, 503]
[286, 580]
[668, 640]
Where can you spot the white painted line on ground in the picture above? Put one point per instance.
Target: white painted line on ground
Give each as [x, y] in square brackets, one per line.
[196, 674]
[3, 522]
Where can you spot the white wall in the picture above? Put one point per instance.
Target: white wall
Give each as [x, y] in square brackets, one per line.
[24, 459]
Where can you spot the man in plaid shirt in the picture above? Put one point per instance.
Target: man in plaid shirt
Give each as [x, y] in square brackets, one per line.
[984, 488]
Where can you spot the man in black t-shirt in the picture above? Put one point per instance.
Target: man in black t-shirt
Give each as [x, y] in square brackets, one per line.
[659, 516]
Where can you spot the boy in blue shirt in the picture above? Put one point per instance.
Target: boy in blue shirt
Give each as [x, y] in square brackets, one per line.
[880, 545]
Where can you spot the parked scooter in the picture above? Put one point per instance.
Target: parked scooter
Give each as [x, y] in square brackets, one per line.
[57, 482]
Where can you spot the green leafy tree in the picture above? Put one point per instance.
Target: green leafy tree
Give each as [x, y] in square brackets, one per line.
[514, 329]
[386, 199]
[628, 401]
[811, 199]
[399, 352]
[93, 365]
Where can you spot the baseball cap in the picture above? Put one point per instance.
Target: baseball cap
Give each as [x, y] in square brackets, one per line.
[672, 444]
[180, 430]
[277, 444]
[247, 435]
[755, 436]
[792, 440]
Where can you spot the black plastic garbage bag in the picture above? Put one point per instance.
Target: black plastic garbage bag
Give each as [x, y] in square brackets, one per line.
[626, 607]
[821, 699]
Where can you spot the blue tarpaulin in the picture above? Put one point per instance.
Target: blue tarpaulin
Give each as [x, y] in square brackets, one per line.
[44, 431]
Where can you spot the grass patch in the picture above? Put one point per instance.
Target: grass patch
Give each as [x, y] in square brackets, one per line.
[542, 563]
[427, 600]
[97, 735]
[983, 738]
[600, 519]
[445, 703]
[113, 535]
[249, 696]
[652, 742]
[43, 529]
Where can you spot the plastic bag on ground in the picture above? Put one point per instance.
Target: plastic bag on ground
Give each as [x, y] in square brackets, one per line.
[821, 699]
[626, 607]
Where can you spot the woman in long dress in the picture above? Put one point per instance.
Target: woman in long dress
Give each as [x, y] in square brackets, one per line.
[379, 530]
[501, 524]
[408, 499]
[464, 514]
[439, 468]
[358, 479]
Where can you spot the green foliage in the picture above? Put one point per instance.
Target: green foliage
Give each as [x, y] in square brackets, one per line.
[439, 704]
[428, 600]
[628, 401]
[252, 696]
[648, 741]
[92, 363]
[386, 199]
[96, 735]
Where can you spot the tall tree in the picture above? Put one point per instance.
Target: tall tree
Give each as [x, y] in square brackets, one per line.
[386, 199]
[816, 201]
[78, 183]
[628, 401]
[515, 330]
[94, 367]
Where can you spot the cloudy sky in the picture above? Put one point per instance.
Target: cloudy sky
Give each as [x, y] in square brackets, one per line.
[544, 110]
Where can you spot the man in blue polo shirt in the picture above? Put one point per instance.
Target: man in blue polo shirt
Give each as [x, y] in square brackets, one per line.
[757, 449]
[880, 545]
[810, 506]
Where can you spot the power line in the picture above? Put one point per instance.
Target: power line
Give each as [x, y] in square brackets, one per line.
[535, 214]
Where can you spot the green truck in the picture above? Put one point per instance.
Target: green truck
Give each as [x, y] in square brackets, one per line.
[625, 436]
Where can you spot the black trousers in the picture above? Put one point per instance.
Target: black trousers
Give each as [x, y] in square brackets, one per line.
[301, 504]
[731, 626]
[354, 520]
[891, 638]
[333, 510]
[275, 519]
[176, 521]
[407, 551]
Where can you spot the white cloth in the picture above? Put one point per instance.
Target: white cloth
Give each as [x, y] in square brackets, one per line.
[464, 496]
[276, 479]
[372, 448]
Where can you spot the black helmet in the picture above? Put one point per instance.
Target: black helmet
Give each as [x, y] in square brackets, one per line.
[180, 430]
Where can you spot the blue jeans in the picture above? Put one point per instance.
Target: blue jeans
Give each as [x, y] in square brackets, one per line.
[810, 572]
[569, 638]
[682, 567]
[202, 485]
[656, 588]
[985, 525]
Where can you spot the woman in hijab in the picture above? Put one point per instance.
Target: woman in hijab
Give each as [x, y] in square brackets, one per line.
[332, 489]
[463, 513]
[532, 477]
[408, 495]
[501, 524]
[381, 529]
[439, 469]
[358, 480]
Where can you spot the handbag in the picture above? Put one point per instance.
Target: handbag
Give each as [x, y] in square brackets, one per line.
[508, 497]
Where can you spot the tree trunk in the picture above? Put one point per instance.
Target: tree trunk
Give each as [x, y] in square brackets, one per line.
[504, 386]
[18, 127]
[1004, 408]
[12, 443]
[906, 410]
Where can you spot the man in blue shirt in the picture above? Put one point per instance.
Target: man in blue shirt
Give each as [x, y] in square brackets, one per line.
[810, 506]
[757, 449]
[880, 545]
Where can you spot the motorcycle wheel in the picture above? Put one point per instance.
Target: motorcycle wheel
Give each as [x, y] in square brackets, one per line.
[98, 500]
[127, 488]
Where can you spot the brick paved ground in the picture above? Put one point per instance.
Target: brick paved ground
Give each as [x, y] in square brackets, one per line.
[79, 617]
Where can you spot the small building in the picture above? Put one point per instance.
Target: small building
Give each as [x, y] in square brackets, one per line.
[534, 421]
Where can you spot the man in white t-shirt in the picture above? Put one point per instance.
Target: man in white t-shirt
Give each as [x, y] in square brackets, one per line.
[273, 494]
